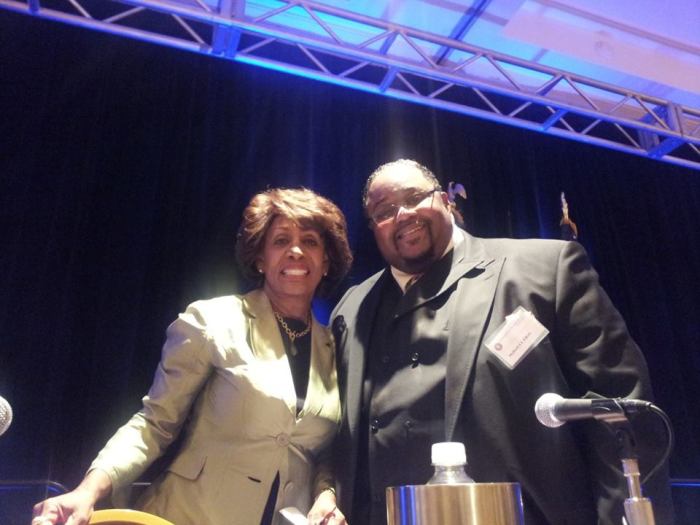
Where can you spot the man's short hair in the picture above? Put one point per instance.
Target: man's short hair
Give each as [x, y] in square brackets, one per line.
[408, 163]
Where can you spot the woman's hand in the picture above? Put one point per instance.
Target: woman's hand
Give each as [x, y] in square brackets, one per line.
[325, 511]
[72, 508]
[75, 507]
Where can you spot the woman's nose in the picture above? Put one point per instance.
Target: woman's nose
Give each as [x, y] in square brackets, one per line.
[295, 251]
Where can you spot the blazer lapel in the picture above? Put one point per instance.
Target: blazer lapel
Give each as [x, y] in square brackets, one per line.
[322, 374]
[471, 308]
[356, 340]
[467, 256]
[266, 341]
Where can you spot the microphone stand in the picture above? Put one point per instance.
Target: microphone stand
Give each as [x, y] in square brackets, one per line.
[638, 509]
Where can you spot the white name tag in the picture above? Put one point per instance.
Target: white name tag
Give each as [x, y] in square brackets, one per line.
[514, 339]
[294, 516]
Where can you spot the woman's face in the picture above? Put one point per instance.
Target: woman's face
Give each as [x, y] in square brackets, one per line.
[293, 260]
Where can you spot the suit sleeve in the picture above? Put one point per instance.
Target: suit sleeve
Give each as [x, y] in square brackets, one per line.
[600, 359]
[184, 367]
[600, 356]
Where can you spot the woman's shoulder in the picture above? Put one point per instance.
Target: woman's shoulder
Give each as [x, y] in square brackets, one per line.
[210, 310]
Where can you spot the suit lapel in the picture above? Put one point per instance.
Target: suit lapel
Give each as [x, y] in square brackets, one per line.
[356, 341]
[266, 341]
[444, 274]
[470, 311]
[322, 370]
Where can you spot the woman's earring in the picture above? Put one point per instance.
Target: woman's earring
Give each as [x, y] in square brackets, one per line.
[260, 270]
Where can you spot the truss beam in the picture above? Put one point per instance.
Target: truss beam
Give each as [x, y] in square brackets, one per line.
[341, 47]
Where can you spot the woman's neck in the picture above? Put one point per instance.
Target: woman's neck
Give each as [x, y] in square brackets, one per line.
[295, 307]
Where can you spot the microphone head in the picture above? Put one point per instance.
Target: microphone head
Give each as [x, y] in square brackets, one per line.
[544, 410]
[5, 415]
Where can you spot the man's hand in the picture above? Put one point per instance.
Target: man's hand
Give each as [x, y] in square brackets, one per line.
[325, 511]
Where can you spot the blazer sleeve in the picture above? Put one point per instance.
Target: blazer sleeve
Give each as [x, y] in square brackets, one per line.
[600, 359]
[184, 367]
[599, 355]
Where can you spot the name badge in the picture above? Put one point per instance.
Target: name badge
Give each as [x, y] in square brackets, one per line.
[516, 337]
[294, 516]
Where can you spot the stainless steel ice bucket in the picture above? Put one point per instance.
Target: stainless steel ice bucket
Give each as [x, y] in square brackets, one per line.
[462, 504]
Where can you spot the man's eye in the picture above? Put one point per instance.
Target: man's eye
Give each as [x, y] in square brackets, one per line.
[415, 199]
[384, 213]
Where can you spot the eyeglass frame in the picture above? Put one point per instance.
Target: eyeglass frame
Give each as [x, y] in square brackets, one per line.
[395, 207]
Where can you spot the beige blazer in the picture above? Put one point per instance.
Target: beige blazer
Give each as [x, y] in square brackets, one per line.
[225, 381]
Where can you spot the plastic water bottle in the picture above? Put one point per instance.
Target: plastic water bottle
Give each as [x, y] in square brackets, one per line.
[449, 460]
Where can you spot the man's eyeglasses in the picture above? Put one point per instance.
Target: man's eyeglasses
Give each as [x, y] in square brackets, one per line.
[387, 211]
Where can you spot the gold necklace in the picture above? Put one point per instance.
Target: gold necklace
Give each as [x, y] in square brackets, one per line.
[291, 333]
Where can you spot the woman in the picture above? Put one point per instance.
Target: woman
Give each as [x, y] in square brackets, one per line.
[251, 382]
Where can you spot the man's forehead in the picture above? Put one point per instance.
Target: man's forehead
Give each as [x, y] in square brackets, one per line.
[397, 179]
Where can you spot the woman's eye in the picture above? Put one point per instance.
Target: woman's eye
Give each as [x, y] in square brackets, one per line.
[279, 241]
[311, 241]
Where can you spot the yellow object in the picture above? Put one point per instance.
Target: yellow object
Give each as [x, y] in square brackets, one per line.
[126, 517]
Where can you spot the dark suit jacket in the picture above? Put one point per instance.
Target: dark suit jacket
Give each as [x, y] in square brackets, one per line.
[568, 475]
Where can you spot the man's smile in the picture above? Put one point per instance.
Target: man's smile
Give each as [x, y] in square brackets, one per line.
[407, 233]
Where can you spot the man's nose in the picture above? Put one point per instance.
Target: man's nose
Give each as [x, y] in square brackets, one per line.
[404, 212]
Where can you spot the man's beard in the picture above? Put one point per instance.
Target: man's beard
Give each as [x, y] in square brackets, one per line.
[419, 263]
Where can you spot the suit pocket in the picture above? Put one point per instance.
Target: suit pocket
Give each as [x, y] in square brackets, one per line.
[189, 466]
[242, 495]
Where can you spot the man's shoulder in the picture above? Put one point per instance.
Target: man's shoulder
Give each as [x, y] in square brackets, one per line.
[536, 259]
[356, 294]
[524, 248]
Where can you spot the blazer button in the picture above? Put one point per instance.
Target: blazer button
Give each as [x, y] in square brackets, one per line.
[339, 323]
[282, 439]
[374, 426]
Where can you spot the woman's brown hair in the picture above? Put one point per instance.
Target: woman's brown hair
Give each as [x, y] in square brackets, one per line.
[308, 210]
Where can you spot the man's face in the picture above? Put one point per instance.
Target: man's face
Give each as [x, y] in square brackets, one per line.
[420, 230]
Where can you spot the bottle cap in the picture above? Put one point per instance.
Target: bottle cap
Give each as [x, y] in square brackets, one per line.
[448, 454]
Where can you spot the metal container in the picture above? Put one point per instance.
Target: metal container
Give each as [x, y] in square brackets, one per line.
[461, 504]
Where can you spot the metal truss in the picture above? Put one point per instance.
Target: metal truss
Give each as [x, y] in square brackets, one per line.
[342, 47]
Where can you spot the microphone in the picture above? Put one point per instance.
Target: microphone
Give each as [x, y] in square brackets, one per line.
[5, 415]
[553, 411]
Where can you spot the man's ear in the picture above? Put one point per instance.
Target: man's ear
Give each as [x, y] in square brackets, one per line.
[445, 198]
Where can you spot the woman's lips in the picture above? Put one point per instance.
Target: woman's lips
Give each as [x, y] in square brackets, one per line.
[295, 272]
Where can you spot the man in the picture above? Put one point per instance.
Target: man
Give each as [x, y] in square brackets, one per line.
[418, 356]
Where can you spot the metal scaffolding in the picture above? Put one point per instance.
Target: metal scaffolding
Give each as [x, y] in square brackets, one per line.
[342, 47]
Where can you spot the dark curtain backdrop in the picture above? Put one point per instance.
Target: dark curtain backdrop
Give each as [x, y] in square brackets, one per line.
[125, 167]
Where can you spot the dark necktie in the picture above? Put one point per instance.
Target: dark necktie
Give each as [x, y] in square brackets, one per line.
[411, 281]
